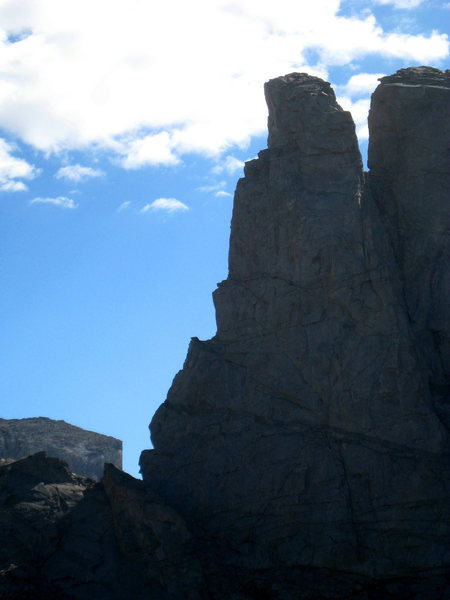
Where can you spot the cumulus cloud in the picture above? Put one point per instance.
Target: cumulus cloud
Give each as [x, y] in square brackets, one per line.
[153, 150]
[61, 201]
[229, 165]
[77, 173]
[360, 84]
[13, 186]
[169, 205]
[12, 169]
[349, 97]
[360, 111]
[405, 4]
[222, 194]
[150, 87]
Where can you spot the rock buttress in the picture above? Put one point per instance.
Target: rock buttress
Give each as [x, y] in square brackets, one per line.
[410, 171]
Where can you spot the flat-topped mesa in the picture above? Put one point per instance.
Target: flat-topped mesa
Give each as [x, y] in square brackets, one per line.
[303, 112]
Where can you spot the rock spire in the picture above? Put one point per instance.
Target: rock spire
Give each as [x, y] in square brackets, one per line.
[302, 453]
[310, 435]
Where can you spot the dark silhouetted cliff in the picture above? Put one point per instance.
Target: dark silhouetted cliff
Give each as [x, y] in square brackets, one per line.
[302, 453]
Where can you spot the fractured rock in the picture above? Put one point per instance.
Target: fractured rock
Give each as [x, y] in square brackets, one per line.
[65, 537]
[302, 453]
[309, 435]
[409, 126]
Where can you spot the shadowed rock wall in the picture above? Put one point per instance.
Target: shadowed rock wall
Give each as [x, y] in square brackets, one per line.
[303, 452]
[409, 127]
[310, 432]
[65, 537]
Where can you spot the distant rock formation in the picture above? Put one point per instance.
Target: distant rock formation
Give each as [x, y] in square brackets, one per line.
[86, 452]
[303, 452]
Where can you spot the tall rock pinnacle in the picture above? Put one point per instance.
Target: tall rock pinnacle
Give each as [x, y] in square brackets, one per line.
[310, 432]
[303, 452]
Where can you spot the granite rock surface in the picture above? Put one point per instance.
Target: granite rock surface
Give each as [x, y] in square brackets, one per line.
[86, 452]
[303, 452]
[310, 435]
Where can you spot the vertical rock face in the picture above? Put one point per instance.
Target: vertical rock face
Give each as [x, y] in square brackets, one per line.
[307, 442]
[86, 452]
[303, 452]
[410, 169]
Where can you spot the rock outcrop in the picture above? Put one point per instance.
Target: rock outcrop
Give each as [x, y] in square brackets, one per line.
[86, 452]
[302, 453]
[308, 437]
[65, 537]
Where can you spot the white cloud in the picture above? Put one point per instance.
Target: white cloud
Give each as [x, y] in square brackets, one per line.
[360, 84]
[77, 173]
[212, 187]
[165, 204]
[362, 132]
[230, 165]
[61, 201]
[13, 186]
[156, 80]
[407, 4]
[13, 168]
[218, 187]
[360, 111]
[150, 150]
[124, 206]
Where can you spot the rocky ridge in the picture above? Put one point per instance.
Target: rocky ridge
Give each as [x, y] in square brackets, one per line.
[302, 453]
[86, 452]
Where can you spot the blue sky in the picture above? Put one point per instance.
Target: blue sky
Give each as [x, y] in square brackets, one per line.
[124, 125]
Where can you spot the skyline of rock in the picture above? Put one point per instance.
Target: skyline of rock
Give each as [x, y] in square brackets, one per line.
[302, 452]
[85, 451]
[308, 433]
